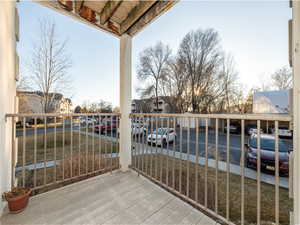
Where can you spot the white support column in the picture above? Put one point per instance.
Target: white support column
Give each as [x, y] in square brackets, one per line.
[7, 90]
[296, 109]
[125, 101]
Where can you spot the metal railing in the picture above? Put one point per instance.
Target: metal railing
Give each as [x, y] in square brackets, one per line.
[52, 149]
[210, 161]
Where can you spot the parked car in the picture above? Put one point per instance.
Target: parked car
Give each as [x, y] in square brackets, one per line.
[283, 132]
[267, 152]
[234, 128]
[88, 121]
[162, 136]
[106, 127]
[252, 129]
[136, 130]
[19, 124]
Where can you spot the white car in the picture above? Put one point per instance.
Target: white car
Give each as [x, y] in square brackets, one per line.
[283, 132]
[162, 136]
[138, 129]
[88, 121]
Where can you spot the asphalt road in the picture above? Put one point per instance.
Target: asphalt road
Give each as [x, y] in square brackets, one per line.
[234, 143]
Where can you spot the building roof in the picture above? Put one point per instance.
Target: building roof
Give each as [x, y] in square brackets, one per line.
[113, 16]
[57, 96]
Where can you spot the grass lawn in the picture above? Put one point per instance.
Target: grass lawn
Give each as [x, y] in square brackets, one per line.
[85, 155]
[164, 167]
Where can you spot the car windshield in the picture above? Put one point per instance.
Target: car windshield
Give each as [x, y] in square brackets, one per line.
[268, 144]
[160, 131]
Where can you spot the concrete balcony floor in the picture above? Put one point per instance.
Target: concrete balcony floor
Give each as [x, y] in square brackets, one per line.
[117, 198]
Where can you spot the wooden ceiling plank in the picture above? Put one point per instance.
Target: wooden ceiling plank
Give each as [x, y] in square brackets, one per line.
[109, 9]
[154, 12]
[135, 14]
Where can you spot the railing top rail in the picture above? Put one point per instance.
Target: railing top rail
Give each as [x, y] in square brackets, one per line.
[59, 114]
[271, 117]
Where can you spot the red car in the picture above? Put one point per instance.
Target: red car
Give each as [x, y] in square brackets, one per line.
[106, 127]
[267, 152]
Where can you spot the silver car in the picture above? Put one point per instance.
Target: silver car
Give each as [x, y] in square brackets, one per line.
[162, 136]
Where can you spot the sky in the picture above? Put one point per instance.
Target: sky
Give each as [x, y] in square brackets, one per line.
[255, 33]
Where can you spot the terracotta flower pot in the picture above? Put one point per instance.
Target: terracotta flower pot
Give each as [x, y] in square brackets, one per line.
[18, 204]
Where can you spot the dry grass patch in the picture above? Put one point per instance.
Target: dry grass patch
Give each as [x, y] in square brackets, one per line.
[160, 167]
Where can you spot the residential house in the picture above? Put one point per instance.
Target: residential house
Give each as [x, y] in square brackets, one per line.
[31, 102]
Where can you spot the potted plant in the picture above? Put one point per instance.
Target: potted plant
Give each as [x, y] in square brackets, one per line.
[17, 199]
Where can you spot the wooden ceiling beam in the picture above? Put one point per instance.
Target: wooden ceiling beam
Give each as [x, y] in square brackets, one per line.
[154, 12]
[78, 5]
[135, 14]
[109, 9]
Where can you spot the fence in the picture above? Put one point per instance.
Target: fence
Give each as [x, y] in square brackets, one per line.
[52, 149]
[236, 177]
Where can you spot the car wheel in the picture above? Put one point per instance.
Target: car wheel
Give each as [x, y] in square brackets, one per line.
[248, 164]
[164, 142]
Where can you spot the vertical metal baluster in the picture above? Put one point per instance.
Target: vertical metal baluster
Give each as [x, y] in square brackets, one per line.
[100, 143]
[143, 144]
[79, 148]
[243, 173]
[174, 154]
[197, 161]
[13, 155]
[188, 159]
[227, 168]
[161, 151]
[206, 164]
[86, 144]
[137, 136]
[276, 174]
[151, 144]
[147, 147]
[55, 128]
[168, 155]
[24, 151]
[132, 142]
[35, 150]
[71, 147]
[258, 173]
[45, 150]
[111, 143]
[156, 155]
[217, 166]
[106, 136]
[63, 151]
[117, 146]
[180, 160]
[93, 143]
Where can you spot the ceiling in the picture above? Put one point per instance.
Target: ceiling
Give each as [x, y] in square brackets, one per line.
[114, 16]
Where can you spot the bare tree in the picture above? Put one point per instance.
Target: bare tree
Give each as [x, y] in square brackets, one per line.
[227, 83]
[174, 87]
[23, 84]
[282, 78]
[96, 107]
[199, 53]
[152, 69]
[49, 65]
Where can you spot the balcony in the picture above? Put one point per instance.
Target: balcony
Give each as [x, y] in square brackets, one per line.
[117, 198]
[194, 172]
